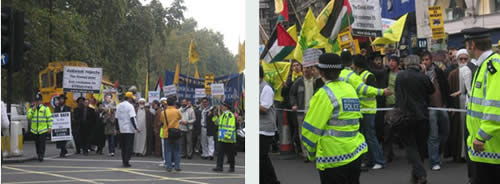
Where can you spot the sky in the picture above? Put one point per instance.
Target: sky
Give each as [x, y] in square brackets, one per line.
[224, 16]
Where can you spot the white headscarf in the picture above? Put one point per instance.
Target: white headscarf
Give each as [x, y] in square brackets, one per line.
[460, 52]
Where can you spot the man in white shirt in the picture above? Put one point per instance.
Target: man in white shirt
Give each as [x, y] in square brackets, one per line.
[186, 126]
[267, 129]
[125, 115]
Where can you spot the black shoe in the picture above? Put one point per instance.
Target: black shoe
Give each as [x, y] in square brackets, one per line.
[183, 156]
[190, 157]
[77, 152]
[211, 158]
[178, 170]
[231, 170]
[127, 165]
[217, 169]
[40, 158]
[169, 169]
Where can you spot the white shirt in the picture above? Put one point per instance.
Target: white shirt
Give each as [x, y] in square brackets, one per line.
[266, 101]
[308, 93]
[187, 115]
[483, 57]
[124, 112]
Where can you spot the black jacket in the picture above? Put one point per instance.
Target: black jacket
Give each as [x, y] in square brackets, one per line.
[197, 122]
[78, 124]
[443, 85]
[382, 81]
[297, 93]
[211, 127]
[413, 90]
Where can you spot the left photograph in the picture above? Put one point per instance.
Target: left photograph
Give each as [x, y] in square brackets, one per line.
[128, 91]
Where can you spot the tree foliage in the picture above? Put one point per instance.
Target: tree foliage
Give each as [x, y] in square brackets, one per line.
[118, 36]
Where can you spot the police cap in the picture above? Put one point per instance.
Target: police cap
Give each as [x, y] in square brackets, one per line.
[330, 61]
[475, 33]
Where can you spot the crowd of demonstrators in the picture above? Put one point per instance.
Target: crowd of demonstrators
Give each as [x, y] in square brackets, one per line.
[411, 86]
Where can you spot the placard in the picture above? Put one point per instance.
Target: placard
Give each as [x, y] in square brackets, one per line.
[199, 93]
[82, 79]
[153, 95]
[367, 18]
[170, 90]
[217, 89]
[436, 22]
[61, 126]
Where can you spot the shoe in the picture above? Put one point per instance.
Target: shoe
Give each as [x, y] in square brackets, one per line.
[190, 157]
[86, 153]
[169, 169]
[162, 163]
[377, 166]
[178, 170]
[40, 158]
[217, 169]
[183, 156]
[436, 167]
[78, 152]
[421, 180]
[231, 170]
[364, 167]
[211, 158]
[127, 165]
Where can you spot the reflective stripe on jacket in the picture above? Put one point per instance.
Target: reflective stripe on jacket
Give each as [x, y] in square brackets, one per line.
[41, 119]
[483, 111]
[330, 130]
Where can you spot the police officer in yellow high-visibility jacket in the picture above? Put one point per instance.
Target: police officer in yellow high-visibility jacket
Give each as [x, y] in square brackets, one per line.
[330, 131]
[226, 138]
[375, 154]
[483, 110]
[41, 124]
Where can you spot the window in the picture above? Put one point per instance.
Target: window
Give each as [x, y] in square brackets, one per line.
[59, 79]
[45, 80]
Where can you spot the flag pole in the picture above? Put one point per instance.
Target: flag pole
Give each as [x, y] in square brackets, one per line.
[274, 64]
[296, 16]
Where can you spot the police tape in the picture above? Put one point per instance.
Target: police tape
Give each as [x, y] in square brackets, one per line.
[386, 109]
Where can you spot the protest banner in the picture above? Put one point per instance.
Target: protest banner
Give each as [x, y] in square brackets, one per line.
[436, 22]
[367, 18]
[61, 127]
[170, 90]
[82, 79]
[153, 95]
[199, 93]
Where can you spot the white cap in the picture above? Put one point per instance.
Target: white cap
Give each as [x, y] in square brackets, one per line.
[460, 52]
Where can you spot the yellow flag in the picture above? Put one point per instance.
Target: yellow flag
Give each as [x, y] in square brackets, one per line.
[274, 74]
[309, 36]
[241, 57]
[196, 74]
[193, 55]
[176, 75]
[393, 33]
[278, 6]
[322, 18]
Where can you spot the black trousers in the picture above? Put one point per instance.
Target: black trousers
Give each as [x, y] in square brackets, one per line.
[40, 143]
[84, 137]
[127, 143]
[485, 173]
[225, 149]
[346, 174]
[62, 145]
[267, 175]
[414, 134]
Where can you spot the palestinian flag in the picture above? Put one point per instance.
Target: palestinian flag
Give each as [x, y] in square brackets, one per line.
[159, 85]
[339, 20]
[278, 46]
[284, 11]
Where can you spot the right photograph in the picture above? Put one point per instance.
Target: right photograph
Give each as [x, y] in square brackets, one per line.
[379, 91]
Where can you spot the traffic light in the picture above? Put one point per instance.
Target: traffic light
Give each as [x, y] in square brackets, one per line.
[7, 35]
[21, 47]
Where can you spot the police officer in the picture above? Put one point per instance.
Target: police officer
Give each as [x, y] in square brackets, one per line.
[226, 138]
[330, 131]
[483, 110]
[41, 124]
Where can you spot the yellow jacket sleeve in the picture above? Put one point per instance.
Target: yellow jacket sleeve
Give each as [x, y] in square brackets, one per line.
[361, 88]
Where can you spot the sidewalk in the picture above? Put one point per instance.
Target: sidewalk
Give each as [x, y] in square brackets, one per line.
[29, 152]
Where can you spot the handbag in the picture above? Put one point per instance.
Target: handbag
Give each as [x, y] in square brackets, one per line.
[173, 133]
[396, 118]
